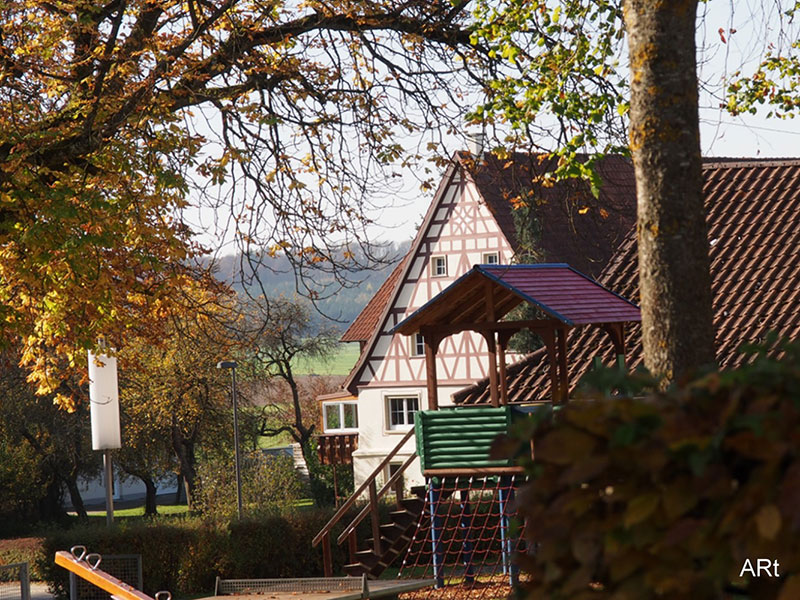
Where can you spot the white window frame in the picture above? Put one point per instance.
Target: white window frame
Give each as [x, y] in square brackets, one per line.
[435, 265]
[400, 427]
[486, 261]
[341, 404]
[417, 345]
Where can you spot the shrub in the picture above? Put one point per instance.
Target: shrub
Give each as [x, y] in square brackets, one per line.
[22, 550]
[185, 557]
[668, 494]
[269, 486]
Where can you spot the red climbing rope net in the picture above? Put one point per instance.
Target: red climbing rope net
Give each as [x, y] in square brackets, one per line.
[467, 538]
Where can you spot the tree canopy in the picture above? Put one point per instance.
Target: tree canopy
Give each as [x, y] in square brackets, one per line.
[113, 114]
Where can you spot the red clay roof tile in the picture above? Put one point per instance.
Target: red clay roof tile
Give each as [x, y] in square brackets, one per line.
[365, 323]
[753, 209]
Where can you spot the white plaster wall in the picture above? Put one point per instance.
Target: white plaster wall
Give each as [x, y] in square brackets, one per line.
[376, 440]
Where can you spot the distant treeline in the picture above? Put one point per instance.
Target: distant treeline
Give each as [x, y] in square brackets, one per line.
[277, 277]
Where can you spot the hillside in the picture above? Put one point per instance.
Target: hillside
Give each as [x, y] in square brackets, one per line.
[276, 276]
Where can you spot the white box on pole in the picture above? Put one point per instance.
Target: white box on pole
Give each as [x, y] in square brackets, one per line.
[104, 402]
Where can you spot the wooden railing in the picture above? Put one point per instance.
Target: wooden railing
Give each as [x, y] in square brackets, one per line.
[336, 448]
[371, 508]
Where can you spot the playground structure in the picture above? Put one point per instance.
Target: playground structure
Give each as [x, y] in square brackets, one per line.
[87, 567]
[464, 516]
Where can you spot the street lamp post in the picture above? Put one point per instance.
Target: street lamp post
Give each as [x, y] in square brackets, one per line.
[230, 364]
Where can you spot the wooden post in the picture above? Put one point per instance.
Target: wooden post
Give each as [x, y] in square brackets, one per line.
[493, 386]
[562, 365]
[373, 509]
[550, 345]
[327, 563]
[431, 344]
[494, 391]
[335, 488]
[502, 342]
[352, 545]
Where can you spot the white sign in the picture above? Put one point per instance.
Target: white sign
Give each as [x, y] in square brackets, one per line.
[104, 402]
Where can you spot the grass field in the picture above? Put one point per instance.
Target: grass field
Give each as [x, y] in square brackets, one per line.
[339, 363]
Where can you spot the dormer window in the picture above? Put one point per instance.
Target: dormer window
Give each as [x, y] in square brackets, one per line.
[439, 266]
[491, 258]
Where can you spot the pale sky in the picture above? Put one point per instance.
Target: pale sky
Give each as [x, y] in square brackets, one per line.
[744, 28]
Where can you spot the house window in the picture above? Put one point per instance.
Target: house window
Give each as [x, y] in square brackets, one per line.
[439, 266]
[340, 416]
[491, 258]
[401, 411]
[417, 345]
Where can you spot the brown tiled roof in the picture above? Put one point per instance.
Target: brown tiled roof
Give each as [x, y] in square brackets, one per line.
[365, 323]
[753, 209]
[577, 228]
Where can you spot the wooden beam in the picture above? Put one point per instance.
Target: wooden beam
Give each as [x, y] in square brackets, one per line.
[431, 342]
[616, 331]
[549, 338]
[562, 365]
[490, 342]
[502, 342]
[493, 387]
[536, 325]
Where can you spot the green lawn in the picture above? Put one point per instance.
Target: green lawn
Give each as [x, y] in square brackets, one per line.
[339, 363]
[138, 511]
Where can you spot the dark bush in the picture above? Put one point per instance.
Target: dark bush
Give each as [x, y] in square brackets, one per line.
[667, 494]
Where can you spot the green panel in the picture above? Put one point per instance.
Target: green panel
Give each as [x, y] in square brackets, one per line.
[461, 438]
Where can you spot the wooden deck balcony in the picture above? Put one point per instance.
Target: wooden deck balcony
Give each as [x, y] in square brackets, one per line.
[336, 448]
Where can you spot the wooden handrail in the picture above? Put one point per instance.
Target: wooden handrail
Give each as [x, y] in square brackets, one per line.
[365, 511]
[352, 499]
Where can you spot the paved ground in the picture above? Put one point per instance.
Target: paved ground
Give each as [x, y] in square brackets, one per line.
[39, 591]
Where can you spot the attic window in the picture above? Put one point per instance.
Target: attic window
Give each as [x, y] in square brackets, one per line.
[491, 258]
[439, 266]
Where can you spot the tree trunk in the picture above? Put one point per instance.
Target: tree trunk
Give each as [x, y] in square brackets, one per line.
[150, 501]
[184, 452]
[75, 497]
[178, 489]
[674, 279]
[150, 489]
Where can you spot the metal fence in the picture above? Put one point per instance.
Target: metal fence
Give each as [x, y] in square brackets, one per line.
[125, 567]
[15, 582]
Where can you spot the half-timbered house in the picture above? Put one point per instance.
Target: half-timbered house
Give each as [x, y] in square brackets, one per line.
[487, 211]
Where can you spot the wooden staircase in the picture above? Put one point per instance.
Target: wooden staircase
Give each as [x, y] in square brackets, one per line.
[395, 537]
[388, 540]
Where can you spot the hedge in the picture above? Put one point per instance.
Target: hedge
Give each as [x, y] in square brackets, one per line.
[667, 494]
[186, 556]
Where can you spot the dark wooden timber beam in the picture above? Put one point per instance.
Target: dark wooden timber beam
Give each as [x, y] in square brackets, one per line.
[563, 386]
[431, 341]
[490, 342]
[616, 331]
[549, 339]
[502, 343]
[536, 325]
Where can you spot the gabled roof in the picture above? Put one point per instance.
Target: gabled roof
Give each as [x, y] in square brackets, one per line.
[556, 289]
[576, 227]
[361, 329]
[753, 209]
